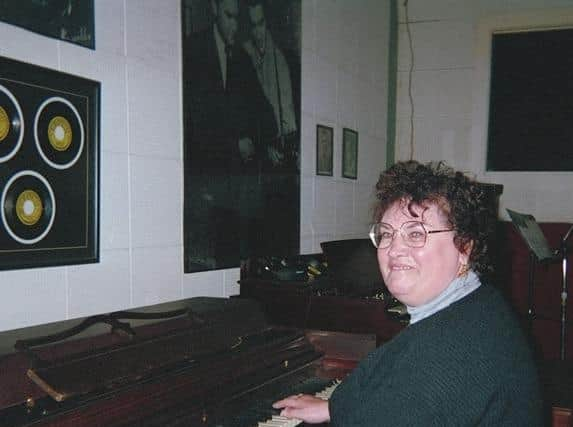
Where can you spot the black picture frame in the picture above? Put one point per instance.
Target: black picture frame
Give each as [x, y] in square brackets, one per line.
[324, 150]
[49, 167]
[349, 153]
[241, 133]
[71, 21]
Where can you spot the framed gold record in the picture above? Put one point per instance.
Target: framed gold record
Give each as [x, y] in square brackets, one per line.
[28, 207]
[59, 132]
[49, 174]
[11, 125]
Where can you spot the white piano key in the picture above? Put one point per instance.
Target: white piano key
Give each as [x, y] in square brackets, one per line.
[280, 421]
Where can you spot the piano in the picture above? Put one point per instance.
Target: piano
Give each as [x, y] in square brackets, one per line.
[197, 362]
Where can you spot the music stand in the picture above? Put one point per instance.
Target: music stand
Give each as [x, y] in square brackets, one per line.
[539, 250]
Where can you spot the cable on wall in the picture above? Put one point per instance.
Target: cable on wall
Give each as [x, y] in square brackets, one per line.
[410, 74]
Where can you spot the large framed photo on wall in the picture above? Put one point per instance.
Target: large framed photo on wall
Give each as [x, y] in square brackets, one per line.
[241, 114]
[49, 167]
[68, 20]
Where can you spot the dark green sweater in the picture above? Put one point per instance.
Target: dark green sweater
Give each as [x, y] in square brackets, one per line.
[466, 365]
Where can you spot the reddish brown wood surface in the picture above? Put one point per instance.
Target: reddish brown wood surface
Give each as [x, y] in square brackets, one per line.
[174, 365]
[296, 305]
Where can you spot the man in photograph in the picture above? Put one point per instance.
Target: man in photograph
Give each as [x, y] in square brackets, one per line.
[228, 119]
[280, 163]
[274, 76]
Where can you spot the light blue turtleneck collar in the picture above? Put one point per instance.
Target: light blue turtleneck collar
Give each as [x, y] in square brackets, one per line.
[459, 288]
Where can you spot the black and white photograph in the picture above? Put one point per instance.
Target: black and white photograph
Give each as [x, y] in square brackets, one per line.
[68, 20]
[241, 114]
[324, 143]
[349, 153]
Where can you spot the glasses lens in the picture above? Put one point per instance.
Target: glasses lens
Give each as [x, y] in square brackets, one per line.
[414, 234]
[374, 235]
[381, 235]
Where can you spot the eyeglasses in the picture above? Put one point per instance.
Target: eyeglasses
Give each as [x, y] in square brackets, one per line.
[413, 232]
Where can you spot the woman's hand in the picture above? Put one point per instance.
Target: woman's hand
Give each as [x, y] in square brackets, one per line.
[304, 407]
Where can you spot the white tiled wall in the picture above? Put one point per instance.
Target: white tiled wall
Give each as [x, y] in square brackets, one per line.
[138, 62]
[450, 87]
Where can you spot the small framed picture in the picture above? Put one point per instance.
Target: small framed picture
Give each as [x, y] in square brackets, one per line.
[324, 142]
[349, 153]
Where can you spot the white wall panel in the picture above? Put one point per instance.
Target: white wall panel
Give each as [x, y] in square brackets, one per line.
[365, 198]
[324, 201]
[153, 33]
[110, 26]
[114, 201]
[349, 98]
[327, 22]
[32, 297]
[26, 46]
[344, 205]
[371, 161]
[100, 288]
[154, 110]
[157, 275]
[156, 214]
[325, 89]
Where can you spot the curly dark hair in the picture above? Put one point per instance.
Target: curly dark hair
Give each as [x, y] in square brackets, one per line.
[459, 198]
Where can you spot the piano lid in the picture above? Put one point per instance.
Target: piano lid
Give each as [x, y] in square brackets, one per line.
[62, 369]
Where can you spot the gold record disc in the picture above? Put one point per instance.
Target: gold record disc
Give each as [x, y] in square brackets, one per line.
[29, 207]
[4, 124]
[60, 133]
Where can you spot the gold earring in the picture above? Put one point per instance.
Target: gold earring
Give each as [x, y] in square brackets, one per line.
[464, 268]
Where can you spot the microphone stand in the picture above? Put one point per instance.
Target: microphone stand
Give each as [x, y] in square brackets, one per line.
[531, 281]
[564, 291]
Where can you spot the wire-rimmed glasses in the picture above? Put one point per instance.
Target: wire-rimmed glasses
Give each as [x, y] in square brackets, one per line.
[413, 232]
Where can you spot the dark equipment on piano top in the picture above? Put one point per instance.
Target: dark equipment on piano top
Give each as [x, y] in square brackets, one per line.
[353, 267]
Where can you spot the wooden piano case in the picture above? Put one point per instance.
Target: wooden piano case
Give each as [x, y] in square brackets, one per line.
[203, 365]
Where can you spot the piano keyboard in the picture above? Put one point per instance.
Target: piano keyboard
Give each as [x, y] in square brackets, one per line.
[279, 421]
[251, 408]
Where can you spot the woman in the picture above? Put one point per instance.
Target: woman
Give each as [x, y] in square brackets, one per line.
[463, 359]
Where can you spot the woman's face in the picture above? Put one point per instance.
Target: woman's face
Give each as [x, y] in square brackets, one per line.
[416, 276]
